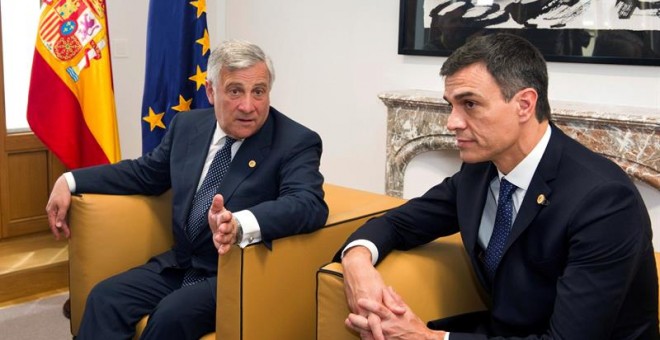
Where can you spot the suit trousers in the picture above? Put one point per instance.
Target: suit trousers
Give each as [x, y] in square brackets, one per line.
[116, 305]
[474, 322]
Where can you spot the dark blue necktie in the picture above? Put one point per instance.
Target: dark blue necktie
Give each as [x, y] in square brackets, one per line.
[501, 229]
[202, 201]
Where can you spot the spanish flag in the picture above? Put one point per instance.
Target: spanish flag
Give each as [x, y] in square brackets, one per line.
[71, 105]
[178, 49]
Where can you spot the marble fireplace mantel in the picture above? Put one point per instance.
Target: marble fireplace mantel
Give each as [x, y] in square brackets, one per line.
[416, 123]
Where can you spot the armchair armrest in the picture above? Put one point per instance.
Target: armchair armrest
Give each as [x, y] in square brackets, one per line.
[110, 234]
[265, 294]
[435, 280]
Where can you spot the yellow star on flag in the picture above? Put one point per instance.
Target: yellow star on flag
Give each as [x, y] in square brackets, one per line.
[205, 42]
[201, 6]
[154, 119]
[184, 105]
[199, 77]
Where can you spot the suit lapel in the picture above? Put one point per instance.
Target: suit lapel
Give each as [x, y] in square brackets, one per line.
[248, 158]
[200, 139]
[471, 204]
[545, 173]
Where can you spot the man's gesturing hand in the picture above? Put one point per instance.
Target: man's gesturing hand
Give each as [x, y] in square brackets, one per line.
[223, 225]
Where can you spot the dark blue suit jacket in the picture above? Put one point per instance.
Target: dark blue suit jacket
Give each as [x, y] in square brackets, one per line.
[580, 266]
[283, 190]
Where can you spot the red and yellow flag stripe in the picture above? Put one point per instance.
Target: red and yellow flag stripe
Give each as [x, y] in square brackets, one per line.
[71, 105]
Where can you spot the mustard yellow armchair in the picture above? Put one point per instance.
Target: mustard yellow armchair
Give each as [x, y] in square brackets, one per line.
[435, 280]
[262, 294]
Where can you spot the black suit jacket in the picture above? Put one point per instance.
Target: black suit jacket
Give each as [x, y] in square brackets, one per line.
[579, 266]
[283, 189]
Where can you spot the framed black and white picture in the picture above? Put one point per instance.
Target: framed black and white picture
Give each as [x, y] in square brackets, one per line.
[587, 31]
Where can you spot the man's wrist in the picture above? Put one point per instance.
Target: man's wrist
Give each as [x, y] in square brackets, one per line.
[70, 181]
[239, 232]
[250, 227]
[356, 254]
[364, 243]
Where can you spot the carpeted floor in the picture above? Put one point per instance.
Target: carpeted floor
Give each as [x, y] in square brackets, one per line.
[38, 319]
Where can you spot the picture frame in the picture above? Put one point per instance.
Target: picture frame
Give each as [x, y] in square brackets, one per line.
[582, 31]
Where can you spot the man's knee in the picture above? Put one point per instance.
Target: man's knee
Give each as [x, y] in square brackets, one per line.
[178, 314]
[98, 293]
[168, 314]
[168, 321]
[104, 290]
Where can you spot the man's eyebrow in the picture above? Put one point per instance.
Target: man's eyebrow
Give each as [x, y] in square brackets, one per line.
[234, 84]
[461, 95]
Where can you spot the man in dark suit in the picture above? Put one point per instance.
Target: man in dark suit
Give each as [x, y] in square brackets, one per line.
[266, 171]
[558, 236]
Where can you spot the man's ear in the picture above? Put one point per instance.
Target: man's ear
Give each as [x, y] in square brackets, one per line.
[209, 92]
[526, 100]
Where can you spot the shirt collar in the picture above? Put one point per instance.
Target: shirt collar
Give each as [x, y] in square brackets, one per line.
[218, 135]
[522, 174]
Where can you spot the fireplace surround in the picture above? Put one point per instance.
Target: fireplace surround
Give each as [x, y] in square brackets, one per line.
[629, 136]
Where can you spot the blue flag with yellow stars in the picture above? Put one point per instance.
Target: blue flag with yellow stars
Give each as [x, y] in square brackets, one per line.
[177, 53]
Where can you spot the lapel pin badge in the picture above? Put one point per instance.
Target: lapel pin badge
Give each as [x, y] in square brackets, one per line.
[541, 200]
[252, 163]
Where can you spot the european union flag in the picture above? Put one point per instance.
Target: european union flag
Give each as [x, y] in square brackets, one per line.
[177, 53]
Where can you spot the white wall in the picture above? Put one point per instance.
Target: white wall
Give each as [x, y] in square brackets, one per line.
[127, 27]
[332, 58]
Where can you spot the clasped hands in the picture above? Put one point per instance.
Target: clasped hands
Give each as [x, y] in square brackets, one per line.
[377, 311]
[223, 225]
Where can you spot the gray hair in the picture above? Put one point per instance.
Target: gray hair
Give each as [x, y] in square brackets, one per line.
[237, 55]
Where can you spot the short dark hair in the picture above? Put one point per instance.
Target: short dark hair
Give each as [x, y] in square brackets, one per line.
[513, 61]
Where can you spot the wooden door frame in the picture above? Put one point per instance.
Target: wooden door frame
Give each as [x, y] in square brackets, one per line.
[22, 143]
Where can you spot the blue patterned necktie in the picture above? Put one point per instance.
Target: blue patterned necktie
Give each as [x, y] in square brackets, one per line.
[204, 196]
[501, 229]
[202, 201]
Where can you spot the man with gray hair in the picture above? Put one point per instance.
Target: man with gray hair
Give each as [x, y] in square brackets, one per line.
[263, 169]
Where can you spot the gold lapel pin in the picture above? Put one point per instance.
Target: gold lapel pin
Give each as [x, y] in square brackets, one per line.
[541, 200]
[252, 163]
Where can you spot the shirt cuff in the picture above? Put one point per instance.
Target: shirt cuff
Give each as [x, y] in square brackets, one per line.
[250, 225]
[365, 243]
[68, 176]
[446, 335]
